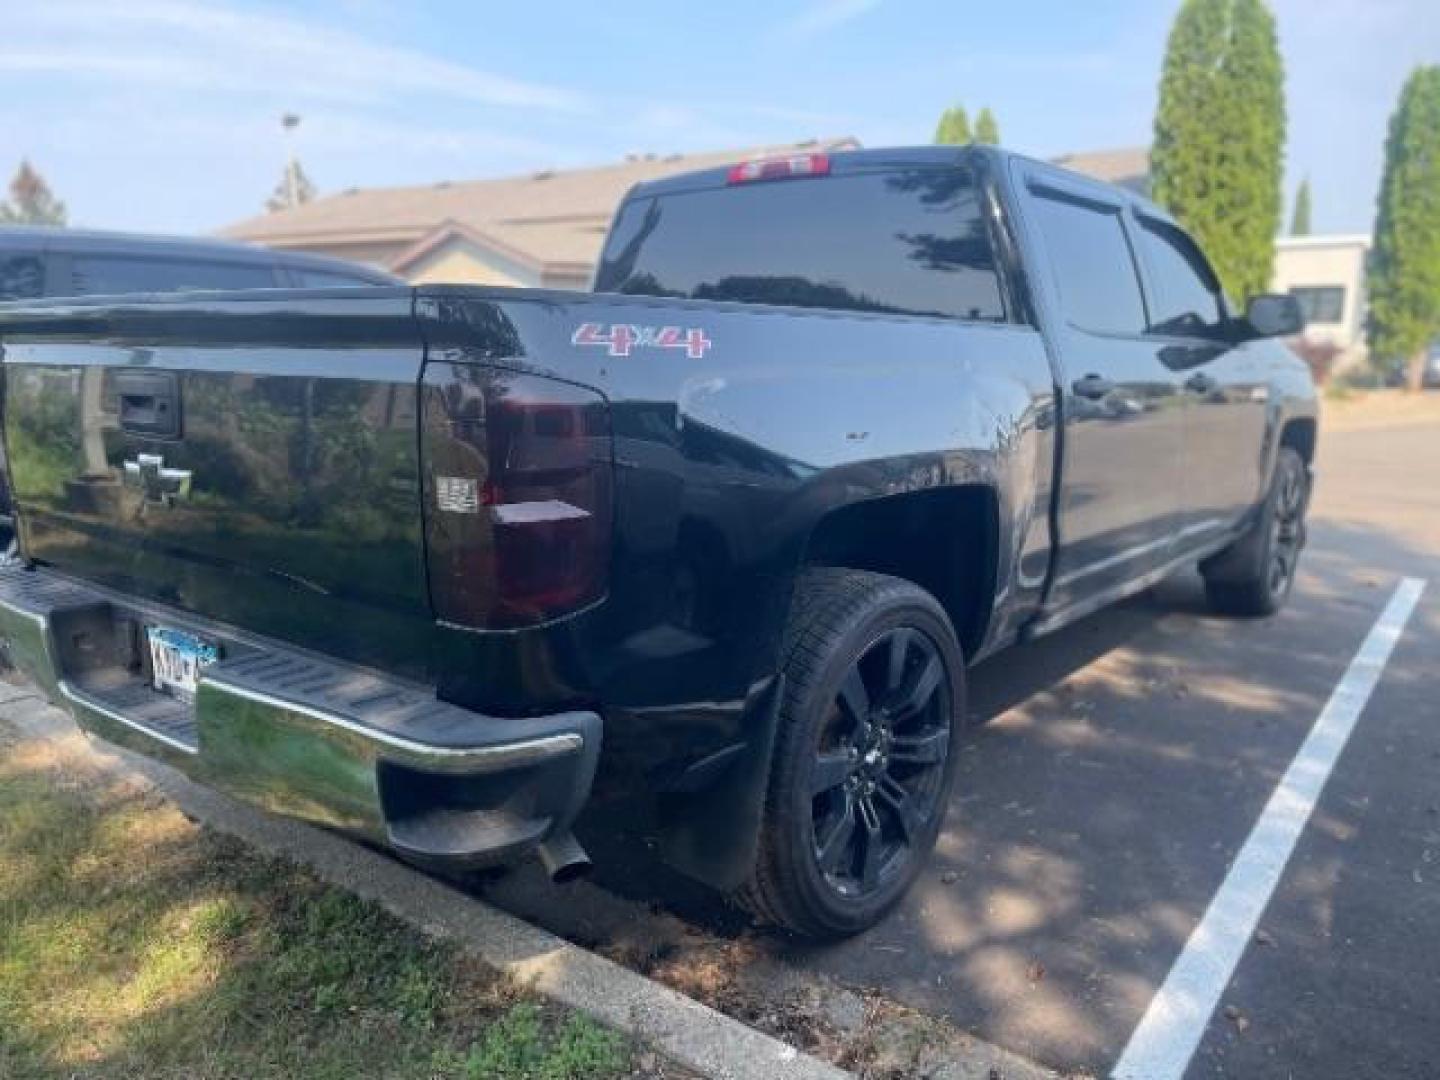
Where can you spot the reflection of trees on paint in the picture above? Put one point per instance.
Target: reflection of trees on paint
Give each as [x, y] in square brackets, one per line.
[311, 453]
[481, 328]
[44, 437]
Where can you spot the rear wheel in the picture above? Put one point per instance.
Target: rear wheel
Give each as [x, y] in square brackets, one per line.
[864, 760]
[1256, 575]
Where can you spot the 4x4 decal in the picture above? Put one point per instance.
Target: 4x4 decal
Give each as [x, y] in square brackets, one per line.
[620, 339]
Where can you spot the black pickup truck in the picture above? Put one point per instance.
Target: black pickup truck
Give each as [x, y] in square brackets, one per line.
[430, 564]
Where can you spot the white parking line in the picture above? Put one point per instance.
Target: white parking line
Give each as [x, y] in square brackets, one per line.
[1163, 1043]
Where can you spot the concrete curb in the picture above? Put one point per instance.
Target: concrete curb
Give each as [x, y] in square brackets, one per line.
[688, 1032]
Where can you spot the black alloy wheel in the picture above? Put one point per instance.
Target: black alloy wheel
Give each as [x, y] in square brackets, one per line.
[1256, 574]
[877, 772]
[863, 765]
[1287, 531]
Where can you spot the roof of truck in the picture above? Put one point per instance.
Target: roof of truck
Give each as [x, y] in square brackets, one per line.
[845, 161]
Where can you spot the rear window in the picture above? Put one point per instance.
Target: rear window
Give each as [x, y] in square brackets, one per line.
[909, 242]
[1091, 259]
[22, 277]
[102, 275]
[325, 279]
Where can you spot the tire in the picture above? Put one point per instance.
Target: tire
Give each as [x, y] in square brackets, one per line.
[864, 759]
[1255, 575]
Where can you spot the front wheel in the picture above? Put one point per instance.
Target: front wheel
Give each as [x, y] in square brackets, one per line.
[1255, 576]
[864, 754]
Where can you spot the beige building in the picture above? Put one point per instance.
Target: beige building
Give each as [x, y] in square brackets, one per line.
[1129, 166]
[543, 229]
[1327, 275]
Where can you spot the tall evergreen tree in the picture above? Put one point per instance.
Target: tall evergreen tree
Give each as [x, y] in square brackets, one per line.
[31, 200]
[1218, 154]
[954, 126]
[1300, 218]
[986, 129]
[1405, 259]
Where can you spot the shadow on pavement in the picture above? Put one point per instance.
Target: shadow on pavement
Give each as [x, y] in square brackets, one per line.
[1112, 771]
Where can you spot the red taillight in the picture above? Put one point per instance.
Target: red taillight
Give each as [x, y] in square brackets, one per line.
[517, 496]
[781, 168]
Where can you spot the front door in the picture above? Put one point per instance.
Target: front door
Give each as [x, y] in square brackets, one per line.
[1226, 393]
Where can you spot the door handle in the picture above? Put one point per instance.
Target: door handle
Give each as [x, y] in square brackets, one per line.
[1093, 386]
[149, 403]
[1200, 383]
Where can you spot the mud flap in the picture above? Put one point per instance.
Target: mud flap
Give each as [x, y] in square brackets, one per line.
[714, 812]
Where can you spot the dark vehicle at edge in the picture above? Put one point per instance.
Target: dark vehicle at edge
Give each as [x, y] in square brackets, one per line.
[429, 565]
[38, 262]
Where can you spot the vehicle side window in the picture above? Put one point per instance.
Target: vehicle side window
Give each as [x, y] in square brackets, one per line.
[102, 275]
[1095, 271]
[324, 279]
[1187, 294]
[907, 241]
[22, 277]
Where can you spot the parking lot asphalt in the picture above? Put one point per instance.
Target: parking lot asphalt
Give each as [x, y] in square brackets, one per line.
[1114, 772]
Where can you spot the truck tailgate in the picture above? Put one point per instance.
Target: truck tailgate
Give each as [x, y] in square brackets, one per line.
[240, 459]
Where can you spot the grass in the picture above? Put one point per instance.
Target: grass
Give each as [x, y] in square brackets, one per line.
[133, 943]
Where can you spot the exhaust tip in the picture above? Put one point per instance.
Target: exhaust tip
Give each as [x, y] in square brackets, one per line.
[563, 858]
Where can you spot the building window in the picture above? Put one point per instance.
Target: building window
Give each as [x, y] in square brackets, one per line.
[1321, 303]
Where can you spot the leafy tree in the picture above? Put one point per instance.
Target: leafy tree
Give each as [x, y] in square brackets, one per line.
[1405, 259]
[31, 201]
[954, 126]
[294, 188]
[1219, 142]
[986, 129]
[1300, 218]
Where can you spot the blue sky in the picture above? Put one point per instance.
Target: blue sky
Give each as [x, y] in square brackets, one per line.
[164, 114]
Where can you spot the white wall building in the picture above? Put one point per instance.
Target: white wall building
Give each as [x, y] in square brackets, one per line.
[1327, 275]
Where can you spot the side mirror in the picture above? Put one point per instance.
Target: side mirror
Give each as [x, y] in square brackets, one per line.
[1274, 315]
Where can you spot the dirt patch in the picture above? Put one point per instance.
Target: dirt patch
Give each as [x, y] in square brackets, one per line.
[857, 1029]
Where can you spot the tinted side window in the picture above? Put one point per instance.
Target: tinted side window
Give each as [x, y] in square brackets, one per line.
[1092, 264]
[324, 279]
[101, 275]
[909, 242]
[1187, 296]
[22, 277]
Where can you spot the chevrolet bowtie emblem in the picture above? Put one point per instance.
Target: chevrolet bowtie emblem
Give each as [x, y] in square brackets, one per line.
[156, 483]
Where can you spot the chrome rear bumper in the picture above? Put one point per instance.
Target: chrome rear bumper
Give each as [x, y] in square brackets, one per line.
[305, 736]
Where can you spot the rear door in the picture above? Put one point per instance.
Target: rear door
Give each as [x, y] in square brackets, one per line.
[253, 461]
[1123, 441]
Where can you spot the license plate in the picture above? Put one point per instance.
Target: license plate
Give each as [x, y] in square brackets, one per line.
[176, 659]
